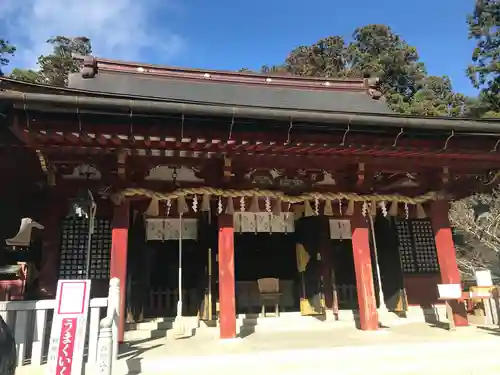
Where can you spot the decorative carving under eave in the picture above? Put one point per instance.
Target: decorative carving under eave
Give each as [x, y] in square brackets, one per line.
[168, 173]
[121, 164]
[228, 172]
[285, 179]
[489, 178]
[361, 174]
[84, 172]
[391, 181]
[47, 169]
[445, 176]
[105, 191]
[327, 180]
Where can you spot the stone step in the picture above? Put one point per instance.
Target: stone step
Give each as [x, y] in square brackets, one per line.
[160, 323]
[158, 328]
[290, 321]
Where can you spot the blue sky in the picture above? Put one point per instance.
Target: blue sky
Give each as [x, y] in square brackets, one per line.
[222, 34]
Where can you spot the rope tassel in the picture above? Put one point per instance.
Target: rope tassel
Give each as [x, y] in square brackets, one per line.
[230, 206]
[420, 212]
[205, 202]
[308, 211]
[350, 208]
[254, 206]
[328, 209]
[277, 207]
[153, 208]
[182, 206]
[393, 210]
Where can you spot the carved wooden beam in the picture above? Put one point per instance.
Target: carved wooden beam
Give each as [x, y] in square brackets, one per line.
[445, 176]
[48, 169]
[361, 175]
[121, 164]
[227, 169]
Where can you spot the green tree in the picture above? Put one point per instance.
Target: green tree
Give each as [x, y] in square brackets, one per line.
[26, 75]
[435, 97]
[6, 50]
[55, 67]
[274, 70]
[328, 57]
[376, 51]
[484, 72]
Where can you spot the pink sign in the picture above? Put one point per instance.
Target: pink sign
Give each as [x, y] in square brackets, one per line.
[72, 297]
[66, 346]
[69, 325]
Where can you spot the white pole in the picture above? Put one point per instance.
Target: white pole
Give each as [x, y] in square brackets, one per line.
[178, 327]
[382, 305]
[179, 302]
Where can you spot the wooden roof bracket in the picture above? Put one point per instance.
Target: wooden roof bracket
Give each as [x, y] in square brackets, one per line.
[346, 132]
[397, 137]
[448, 139]
[289, 133]
[494, 149]
[230, 135]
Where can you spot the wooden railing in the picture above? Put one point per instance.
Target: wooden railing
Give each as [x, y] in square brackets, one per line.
[30, 321]
[347, 296]
[163, 302]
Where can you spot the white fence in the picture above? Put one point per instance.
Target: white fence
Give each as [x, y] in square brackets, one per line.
[30, 321]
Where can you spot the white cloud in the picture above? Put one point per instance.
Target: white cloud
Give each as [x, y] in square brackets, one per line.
[119, 29]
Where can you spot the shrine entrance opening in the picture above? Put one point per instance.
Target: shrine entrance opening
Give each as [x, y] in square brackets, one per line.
[164, 279]
[341, 265]
[264, 255]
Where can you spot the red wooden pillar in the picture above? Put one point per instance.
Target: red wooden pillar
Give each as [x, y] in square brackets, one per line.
[447, 256]
[368, 316]
[119, 247]
[227, 304]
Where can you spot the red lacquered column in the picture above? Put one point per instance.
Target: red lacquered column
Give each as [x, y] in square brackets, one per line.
[447, 256]
[368, 316]
[119, 248]
[227, 304]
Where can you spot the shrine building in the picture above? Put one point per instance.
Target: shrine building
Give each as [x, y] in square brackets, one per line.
[308, 189]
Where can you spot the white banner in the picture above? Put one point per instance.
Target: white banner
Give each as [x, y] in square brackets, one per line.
[340, 229]
[168, 229]
[263, 222]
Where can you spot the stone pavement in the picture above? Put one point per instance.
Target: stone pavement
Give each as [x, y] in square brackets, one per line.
[409, 349]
